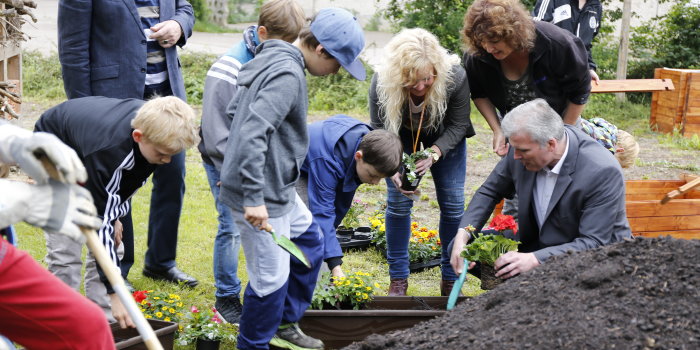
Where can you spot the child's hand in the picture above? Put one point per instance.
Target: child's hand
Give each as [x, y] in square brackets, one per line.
[256, 216]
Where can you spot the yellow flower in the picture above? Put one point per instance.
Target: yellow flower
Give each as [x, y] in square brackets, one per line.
[156, 298]
[365, 296]
[148, 316]
[368, 288]
[179, 304]
[376, 285]
[171, 310]
[159, 314]
[164, 308]
[167, 319]
[357, 293]
[144, 302]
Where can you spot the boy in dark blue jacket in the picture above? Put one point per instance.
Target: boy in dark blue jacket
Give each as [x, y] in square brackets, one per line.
[343, 154]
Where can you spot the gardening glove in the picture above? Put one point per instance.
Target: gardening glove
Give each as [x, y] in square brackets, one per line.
[25, 148]
[54, 207]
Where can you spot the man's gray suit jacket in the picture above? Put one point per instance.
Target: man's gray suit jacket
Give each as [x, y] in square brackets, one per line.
[587, 208]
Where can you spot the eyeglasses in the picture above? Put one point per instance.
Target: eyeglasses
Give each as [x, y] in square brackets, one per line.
[426, 80]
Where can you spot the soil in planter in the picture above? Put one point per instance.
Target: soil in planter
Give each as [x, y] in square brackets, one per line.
[488, 277]
[631, 295]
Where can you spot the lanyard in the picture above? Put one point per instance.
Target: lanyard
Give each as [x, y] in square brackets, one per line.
[420, 123]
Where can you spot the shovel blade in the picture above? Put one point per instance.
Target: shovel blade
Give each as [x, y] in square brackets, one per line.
[287, 244]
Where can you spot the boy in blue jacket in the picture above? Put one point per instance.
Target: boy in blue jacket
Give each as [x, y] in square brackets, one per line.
[266, 148]
[343, 154]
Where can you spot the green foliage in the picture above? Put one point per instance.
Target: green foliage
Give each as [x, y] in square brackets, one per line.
[237, 12]
[201, 10]
[487, 248]
[194, 71]
[41, 77]
[669, 41]
[353, 290]
[352, 217]
[338, 92]
[206, 325]
[409, 162]
[441, 17]
[678, 141]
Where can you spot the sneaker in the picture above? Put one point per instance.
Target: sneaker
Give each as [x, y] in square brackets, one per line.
[229, 309]
[289, 336]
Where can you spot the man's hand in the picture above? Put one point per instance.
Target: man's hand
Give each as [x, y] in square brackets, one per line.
[514, 263]
[456, 259]
[256, 216]
[27, 153]
[119, 312]
[167, 33]
[54, 207]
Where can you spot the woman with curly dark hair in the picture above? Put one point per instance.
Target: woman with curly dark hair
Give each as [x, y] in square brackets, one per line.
[511, 59]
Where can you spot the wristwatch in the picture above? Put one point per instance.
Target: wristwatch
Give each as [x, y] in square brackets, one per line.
[435, 156]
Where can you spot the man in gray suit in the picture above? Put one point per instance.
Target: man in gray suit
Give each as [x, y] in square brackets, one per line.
[571, 191]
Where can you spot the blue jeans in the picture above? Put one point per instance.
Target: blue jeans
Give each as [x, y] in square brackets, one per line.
[226, 244]
[448, 174]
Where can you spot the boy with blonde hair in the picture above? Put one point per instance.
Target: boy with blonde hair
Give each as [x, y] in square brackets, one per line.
[120, 142]
[265, 151]
[279, 19]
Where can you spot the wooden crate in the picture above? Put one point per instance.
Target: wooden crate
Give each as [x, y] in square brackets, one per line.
[679, 108]
[11, 58]
[679, 218]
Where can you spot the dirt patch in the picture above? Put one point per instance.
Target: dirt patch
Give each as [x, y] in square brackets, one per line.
[640, 294]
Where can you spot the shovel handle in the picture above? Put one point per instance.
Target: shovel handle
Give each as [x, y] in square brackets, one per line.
[115, 278]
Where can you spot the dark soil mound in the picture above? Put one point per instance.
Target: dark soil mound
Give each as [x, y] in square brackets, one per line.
[641, 294]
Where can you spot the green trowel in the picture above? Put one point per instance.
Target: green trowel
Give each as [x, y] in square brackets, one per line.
[286, 244]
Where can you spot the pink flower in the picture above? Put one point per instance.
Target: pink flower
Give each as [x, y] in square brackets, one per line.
[194, 309]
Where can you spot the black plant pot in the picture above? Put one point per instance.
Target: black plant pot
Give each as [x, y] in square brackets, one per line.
[344, 234]
[409, 185]
[362, 233]
[205, 344]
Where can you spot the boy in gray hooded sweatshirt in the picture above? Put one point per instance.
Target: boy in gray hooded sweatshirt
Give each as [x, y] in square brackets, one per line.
[266, 148]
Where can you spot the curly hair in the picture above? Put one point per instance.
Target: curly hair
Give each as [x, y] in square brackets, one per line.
[407, 54]
[496, 20]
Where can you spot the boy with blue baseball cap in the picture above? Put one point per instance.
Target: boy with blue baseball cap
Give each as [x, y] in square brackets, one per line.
[266, 147]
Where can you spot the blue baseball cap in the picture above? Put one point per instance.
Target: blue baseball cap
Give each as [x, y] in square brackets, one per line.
[340, 34]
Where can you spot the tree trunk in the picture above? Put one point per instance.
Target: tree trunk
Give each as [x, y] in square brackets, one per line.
[218, 11]
[624, 43]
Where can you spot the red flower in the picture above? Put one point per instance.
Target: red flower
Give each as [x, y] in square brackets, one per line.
[140, 295]
[504, 222]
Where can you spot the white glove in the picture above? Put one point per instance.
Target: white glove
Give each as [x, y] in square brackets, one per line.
[24, 148]
[54, 207]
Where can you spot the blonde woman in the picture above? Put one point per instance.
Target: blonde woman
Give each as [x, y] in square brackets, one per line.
[420, 92]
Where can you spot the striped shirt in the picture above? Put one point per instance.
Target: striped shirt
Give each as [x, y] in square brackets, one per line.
[156, 69]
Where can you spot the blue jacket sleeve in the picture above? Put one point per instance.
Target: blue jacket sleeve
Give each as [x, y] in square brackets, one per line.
[184, 14]
[74, 23]
[324, 177]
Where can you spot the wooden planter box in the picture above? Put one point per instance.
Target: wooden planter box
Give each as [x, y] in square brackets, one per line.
[129, 339]
[680, 108]
[338, 328]
[679, 218]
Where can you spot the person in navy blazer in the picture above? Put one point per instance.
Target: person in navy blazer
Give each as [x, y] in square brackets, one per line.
[127, 49]
[571, 191]
[102, 46]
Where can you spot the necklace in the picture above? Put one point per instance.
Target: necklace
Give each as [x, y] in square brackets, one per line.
[420, 124]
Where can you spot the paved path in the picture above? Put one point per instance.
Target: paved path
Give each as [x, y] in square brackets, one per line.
[44, 36]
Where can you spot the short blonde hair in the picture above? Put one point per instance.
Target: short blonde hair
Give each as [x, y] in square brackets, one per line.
[630, 149]
[282, 18]
[408, 52]
[496, 20]
[167, 122]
